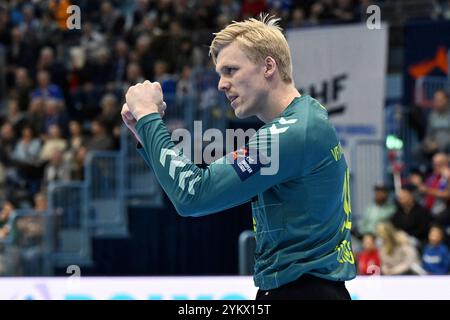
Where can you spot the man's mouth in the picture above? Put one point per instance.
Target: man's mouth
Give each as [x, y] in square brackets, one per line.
[232, 98]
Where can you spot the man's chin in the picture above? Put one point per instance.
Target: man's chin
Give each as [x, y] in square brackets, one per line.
[239, 114]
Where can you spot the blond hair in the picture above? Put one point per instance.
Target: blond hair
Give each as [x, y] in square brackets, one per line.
[392, 238]
[258, 39]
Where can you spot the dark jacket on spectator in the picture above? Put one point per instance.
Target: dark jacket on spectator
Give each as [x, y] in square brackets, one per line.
[415, 222]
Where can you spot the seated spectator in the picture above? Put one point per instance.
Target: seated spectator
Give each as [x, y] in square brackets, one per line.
[28, 147]
[368, 259]
[398, 255]
[345, 11]
[91, 40]
[15, 116]
[76, 137]
[22, 88]
[6, 232]
[5, 218]
[7, 143]
[110, 111]
[53, 142]
[381, 210]
[27, 169]
[436, 257]
[436, 190]
[410, 216]
[56, 69]
[45, 88]
[100, 140]
[55, 170]
[54, 114]
[36, 114]
[437, 137]
[77, 164]
[40, 202]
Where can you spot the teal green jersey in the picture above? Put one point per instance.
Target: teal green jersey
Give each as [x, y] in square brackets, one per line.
[294, 172]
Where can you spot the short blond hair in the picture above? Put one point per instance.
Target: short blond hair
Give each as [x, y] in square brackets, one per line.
[258, 39]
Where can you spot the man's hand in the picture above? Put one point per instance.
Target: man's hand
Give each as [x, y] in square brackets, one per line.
[416, 179]
[145, 98]
[130, 121]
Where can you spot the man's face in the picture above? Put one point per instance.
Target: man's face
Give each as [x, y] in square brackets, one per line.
[439, 163]
[440, 101]
[405, 198]
[380, 196]
[242, 81]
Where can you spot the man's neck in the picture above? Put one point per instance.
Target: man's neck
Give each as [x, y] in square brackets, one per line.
[277, 101]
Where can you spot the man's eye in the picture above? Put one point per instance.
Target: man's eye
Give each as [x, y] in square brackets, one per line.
[230, 70]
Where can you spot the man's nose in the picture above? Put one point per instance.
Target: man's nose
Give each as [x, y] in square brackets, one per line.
[223, 85]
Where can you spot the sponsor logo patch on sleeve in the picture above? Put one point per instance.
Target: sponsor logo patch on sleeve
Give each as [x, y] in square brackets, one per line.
[246, 162]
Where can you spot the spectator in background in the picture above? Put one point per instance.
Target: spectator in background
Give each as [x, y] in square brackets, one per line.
[111, 20]
[437, 137]
[77, 164]
[40, 202]
[410, 216]
[76, 137]
[45, 89]
[28, 148]
[5, 218]
[297, 18]
[56, 69]
[441, 9]
[54, 115]
[100, 139]
[398, 255]
[53, 142]
[120, 62]
[15, 116]
[251, 8]
[436, 189]
[20, 52]
[380, 210]
[7, 144]
[22, 89]
[91, 40]
[36, 114]
[27, 170]
[7, 231]
[100, 67]
[58, 9]
[144, 56]
[110, 108]
[345, 11]
[48, 33]
[436, 257]
[55, 170]
[368, 259]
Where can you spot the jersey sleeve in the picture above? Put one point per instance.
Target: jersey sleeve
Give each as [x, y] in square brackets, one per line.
[268, 159]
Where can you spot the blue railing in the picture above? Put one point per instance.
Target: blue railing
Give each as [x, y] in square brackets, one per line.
[369, 164]
[71, 243]
[104, 176]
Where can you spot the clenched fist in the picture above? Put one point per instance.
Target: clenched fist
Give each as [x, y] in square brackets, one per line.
[145, 98]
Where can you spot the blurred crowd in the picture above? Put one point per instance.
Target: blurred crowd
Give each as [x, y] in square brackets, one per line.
[406, 231]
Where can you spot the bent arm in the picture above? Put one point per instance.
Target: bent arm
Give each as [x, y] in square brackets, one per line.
[195, 191]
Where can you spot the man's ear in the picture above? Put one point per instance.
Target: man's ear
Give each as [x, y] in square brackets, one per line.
[270, 67]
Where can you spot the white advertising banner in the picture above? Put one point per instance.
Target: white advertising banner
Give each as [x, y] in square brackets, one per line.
[207, 288]
[344, 67]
